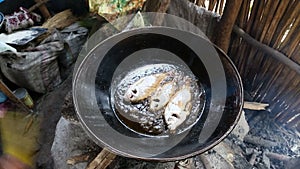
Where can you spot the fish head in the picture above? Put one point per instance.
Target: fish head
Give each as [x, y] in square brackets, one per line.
[174, 119]
[132, 94]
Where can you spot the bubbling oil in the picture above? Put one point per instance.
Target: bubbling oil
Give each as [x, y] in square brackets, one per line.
[138, 117]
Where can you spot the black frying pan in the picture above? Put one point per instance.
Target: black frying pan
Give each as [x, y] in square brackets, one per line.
[123, 52]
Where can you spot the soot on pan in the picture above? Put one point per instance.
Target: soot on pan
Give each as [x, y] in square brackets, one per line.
[159, 99]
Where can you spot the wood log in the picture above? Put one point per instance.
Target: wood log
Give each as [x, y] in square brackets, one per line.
[223, 31]
[103, 159]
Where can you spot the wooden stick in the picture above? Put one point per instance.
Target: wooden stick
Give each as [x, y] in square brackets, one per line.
[255, 105]
[78, 159]
[103, 159]
[269, 65]
[13, 98]
[43, 9]
[37, 5]
[268, 50]
[212, 4]
[286, 21]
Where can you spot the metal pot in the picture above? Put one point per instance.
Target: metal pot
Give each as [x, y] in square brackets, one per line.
[123, 52]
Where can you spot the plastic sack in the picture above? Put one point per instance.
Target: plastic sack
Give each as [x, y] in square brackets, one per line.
[73, 37]
[36, 68]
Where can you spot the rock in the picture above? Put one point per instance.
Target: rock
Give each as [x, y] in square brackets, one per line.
[242, 128]
[70, 140]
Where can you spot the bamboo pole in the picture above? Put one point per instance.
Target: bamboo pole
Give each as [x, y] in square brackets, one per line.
[212, 4]
[217, 6]
[201, 3]
[263, 61]
[256, 11]
[236, 42]
[254, 27]
[291, 49]
[286, 21]
[275, 20]
[277, 68]
[268, 19]
[294, 39]
[221, 7]
[268, 64]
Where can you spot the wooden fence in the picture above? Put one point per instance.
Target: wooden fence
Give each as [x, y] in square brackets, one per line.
[275, 23]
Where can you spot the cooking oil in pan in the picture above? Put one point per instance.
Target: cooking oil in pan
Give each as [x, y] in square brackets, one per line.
[158, 100]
